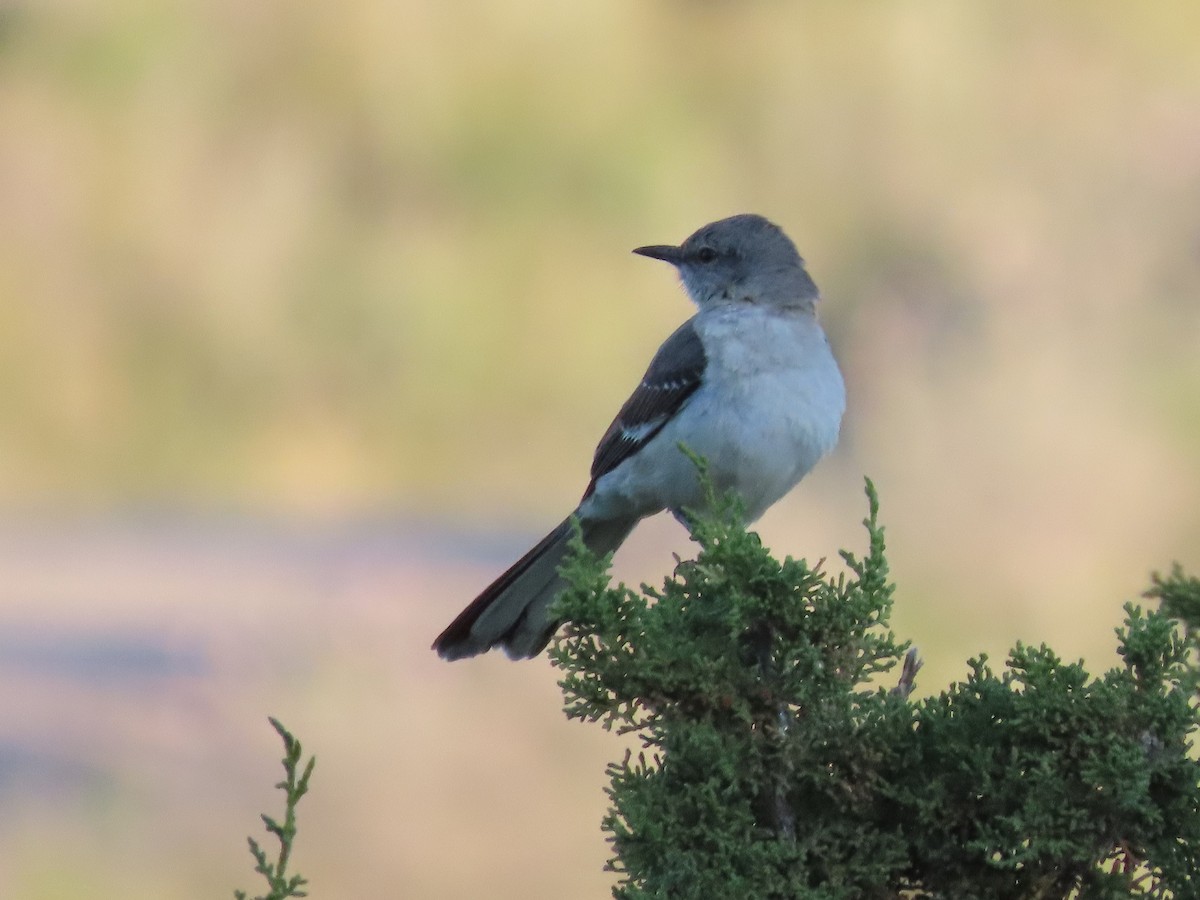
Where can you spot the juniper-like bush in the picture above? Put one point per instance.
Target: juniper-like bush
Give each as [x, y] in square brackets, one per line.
[280, 883]
[781, 760]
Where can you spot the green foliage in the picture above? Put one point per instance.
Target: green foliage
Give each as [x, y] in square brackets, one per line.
[777, 764]
[281, 884]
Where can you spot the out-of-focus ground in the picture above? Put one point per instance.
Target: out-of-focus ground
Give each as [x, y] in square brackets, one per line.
[310, 317]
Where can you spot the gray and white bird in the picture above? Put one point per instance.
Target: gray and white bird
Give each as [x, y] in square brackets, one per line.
[749, 383]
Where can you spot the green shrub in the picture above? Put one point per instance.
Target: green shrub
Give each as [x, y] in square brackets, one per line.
[781, 760]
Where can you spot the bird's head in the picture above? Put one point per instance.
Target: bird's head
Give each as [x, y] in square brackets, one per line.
[743, 258]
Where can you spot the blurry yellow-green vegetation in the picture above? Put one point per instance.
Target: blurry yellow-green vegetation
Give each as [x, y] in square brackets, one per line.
[298, 253]
[328, 260]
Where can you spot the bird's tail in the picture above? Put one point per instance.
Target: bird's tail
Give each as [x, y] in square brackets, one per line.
[513, 611]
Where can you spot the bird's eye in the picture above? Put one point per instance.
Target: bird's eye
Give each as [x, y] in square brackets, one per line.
[706, 254]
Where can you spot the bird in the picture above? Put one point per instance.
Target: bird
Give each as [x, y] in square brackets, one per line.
[749, 384]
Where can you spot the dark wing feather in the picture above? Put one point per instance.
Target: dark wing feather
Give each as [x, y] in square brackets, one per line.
[674, 374]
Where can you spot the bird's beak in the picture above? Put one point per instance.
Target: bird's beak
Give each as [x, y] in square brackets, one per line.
[665, 252]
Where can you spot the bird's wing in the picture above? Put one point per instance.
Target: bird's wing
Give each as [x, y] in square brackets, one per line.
[674, 374]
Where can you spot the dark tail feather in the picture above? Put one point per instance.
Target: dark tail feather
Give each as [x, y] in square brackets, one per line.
[512, 612]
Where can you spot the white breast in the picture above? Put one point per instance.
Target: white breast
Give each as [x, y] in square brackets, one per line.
[770, 406]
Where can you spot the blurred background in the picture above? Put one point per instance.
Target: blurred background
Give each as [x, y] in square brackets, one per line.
[311, 316]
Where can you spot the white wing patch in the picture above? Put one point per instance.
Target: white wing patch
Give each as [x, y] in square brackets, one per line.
[635, 434]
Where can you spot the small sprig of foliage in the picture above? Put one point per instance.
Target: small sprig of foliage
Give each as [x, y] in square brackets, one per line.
[282, 885]
[777, 762]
